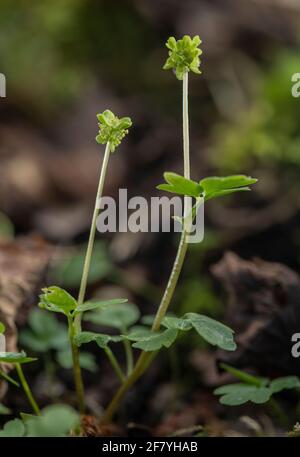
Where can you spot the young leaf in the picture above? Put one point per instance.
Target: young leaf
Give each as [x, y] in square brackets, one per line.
[220, 186]
[155, 341]
[99, 304]
[13, 429]
[287, 382]
[177, 184]
[57, 300]
[118, 316]
[15, 357]
[212, 331]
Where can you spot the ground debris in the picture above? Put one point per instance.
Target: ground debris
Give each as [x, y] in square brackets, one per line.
[23, 264]
[264, 310]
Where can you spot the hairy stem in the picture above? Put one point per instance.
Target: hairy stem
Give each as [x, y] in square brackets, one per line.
[76, 368]
[89, 251]
[146, 358]
[27, 390]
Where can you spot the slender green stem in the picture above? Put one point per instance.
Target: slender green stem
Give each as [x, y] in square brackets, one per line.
[115, 364]
[76, 367]
[89, 251]
[140, 367]
[129, 356]
[185, 119]
[128, 353]
[171, 286]
[146, 357]
[27, 390]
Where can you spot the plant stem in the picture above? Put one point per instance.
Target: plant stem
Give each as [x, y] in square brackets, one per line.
[141, 365]
[27, 390]
[185, 119]
[146, 358]
[171, 286]
[115, 364]
[129, 356]
[89, 251]
[76, 367]
[128, 353]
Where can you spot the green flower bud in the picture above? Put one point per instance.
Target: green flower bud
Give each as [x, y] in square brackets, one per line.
[183, 55]
[112, 129]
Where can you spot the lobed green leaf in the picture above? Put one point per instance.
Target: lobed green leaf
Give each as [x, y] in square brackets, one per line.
[57, 300]
[120, 316]
[156, 340]
[15, 357]
[99, 304]
[212, 331]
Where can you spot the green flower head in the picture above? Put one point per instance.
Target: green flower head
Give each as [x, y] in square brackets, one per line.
[112, 129]
[183, 55]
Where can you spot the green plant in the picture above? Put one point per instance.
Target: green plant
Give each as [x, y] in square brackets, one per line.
[252, 388]
[111, 131]
[44, 335]
[162, 329]
[183, 58]
[18, 359]
[55, 421]
[58, 300]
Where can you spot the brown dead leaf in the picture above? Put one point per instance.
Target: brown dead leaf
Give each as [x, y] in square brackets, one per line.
[264, 310]
[23, 264]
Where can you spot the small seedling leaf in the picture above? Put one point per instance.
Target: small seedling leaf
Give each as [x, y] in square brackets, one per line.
[177, 184]
[57, 300]
[215, 186]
